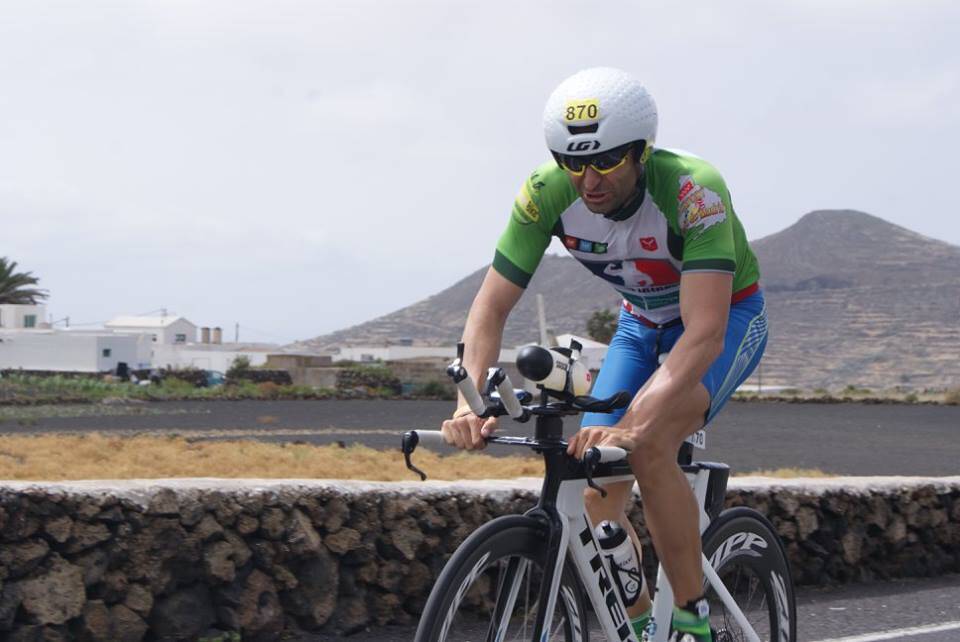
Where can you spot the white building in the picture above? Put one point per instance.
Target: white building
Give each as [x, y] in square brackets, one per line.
[593, 352]
[209, 356]
[75, 351]
[13, 316]
[367, 354]
[166, 330]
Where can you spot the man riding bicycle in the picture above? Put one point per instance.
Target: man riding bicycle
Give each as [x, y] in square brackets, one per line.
[659, 226]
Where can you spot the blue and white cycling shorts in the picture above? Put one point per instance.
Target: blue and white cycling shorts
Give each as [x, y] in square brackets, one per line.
[634, 352]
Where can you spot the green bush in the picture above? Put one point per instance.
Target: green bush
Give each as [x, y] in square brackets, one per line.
[952, 397]
[192, 376]
[436, 389]
[238, 367]
[602, 325]
[854, 390]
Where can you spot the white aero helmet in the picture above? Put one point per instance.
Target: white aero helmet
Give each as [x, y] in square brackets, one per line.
[598, 109]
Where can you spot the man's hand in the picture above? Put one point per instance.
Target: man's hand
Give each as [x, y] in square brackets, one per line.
[600, 436]
[468, 431]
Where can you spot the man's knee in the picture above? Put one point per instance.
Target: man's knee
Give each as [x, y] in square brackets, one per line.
[655, 449]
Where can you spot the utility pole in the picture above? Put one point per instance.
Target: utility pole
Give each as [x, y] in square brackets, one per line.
[236, 333]
[542, 317]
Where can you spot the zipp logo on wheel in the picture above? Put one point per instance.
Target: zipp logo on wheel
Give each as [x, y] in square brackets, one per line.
[744, 542]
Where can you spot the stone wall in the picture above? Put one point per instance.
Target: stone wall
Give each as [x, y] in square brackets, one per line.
[178, 559]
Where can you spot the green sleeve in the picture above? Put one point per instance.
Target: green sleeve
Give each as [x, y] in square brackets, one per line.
[542, 199]
[706, 220]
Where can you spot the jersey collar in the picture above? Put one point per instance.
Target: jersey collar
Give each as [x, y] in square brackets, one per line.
[632, 204]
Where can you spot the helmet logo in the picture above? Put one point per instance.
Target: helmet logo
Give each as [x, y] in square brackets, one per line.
[583, 146]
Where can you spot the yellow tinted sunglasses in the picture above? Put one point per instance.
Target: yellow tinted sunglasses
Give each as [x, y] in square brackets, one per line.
[602, 163]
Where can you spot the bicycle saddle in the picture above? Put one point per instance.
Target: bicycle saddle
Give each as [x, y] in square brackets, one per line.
[592, 404]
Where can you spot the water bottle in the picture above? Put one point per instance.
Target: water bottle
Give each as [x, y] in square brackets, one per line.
[622, 560]
[549, 368]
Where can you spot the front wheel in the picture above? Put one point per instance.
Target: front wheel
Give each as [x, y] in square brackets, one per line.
[749, 558]
[490, 588]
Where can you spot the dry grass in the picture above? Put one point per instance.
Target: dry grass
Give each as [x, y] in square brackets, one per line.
[97, 456]
[786, 473]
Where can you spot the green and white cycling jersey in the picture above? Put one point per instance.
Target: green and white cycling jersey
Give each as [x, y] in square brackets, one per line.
[685, 223]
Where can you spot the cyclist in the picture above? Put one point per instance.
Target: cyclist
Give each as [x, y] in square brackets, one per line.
[659, 226]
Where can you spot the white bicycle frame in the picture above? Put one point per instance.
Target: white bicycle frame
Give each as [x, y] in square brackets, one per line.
[577, 539]
[579, 544]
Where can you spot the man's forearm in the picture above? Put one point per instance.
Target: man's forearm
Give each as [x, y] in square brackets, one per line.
[482, 336]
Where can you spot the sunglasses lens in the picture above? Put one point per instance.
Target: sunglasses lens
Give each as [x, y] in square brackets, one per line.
[607, 161]
[575, 164]
[602, 162]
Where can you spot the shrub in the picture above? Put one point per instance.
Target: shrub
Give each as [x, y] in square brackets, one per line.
[436, 389]
[854, 390]
[952, 397]
[194, 376]
[268, 390]
[602, 325]
[238, 367]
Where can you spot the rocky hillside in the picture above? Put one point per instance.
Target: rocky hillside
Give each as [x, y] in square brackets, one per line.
[852, 300]
[856, 300]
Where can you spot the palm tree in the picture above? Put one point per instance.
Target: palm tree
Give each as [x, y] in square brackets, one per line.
[14, 286]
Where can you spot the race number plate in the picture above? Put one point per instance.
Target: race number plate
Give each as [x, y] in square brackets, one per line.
[698, 439]
[581, 110]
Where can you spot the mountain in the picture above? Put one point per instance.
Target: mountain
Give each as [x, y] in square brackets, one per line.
[852, 299]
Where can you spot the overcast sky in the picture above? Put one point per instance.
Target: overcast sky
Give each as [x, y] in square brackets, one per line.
[297, 167]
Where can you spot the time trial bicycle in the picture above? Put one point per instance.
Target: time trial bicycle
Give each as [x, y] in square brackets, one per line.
[531, 576]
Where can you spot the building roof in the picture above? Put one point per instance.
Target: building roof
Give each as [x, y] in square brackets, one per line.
[564, 340]
[143, 322]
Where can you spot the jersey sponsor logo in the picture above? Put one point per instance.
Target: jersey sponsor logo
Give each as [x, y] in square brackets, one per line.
[583, 245]
[700, 207]
[639, 276]
[526, 208]
[649, 243]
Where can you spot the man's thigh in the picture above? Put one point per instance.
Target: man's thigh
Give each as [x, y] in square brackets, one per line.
[631, 360]
[743, 347]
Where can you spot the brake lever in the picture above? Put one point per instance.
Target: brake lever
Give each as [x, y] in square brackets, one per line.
[590, 460]
[410, 442]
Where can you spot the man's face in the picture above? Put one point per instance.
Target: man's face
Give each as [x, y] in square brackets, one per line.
[604, 193]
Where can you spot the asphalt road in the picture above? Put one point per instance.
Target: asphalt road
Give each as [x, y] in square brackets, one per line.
[851, 439]
[915, 610]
